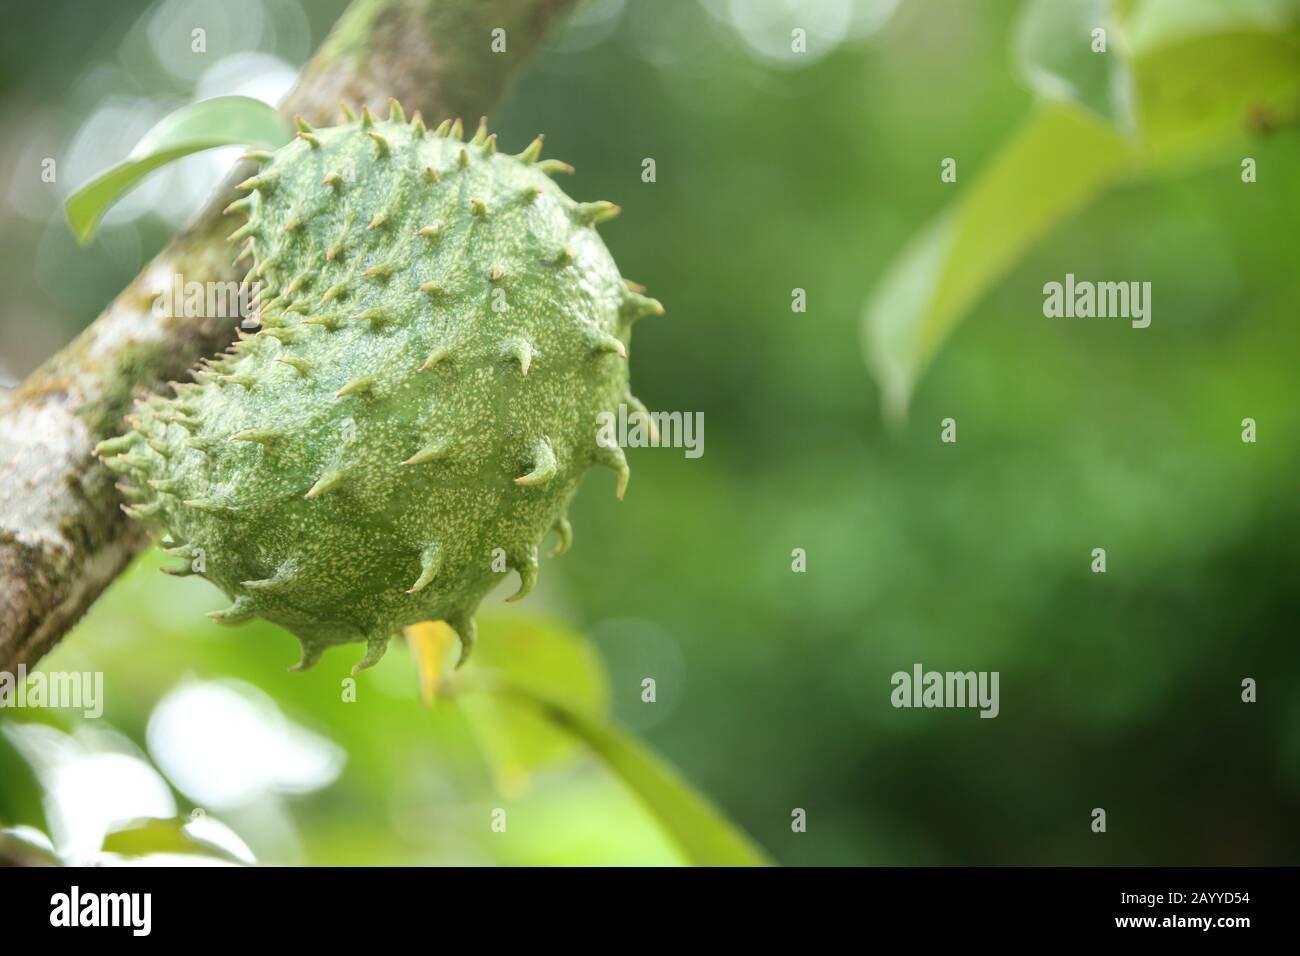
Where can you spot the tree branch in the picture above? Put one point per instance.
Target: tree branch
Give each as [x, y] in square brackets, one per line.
[63, 537]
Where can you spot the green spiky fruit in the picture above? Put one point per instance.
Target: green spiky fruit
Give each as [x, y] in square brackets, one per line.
[441, 326]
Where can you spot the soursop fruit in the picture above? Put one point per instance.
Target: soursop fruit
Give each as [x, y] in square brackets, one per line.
[440, 328]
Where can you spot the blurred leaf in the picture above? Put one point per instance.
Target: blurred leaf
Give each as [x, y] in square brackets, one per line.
[20, 795]
[1054, 45]
[704, 835]
[548, 692]
[1188, 112]
[145, 837]
[22, 846]
[587, 819]
[1057, 162]
[1062, 159]
[221, 121]
[1151, 24]
[546, 658]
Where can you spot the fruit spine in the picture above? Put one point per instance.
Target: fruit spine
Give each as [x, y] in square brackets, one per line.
[440, 327]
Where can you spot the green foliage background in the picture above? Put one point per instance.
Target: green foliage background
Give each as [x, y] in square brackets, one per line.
[1119, 691]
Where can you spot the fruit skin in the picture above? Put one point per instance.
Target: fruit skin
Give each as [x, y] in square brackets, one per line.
[441, 326]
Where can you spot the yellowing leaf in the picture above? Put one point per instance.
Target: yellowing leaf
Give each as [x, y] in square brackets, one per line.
[430, 642]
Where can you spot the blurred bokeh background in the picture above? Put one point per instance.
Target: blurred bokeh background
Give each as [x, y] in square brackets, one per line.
[775, 171]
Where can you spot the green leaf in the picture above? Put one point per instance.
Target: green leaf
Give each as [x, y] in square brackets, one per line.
[1055, 164]
[21, 800]
[1198, 95]
[704, 836]
[548, 659]
[222, 121]
[1151, 24]
[1189, 114]
[154, 835]
[21, 846]
[1054, 46]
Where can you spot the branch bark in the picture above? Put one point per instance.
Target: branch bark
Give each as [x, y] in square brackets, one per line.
[63, 537]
